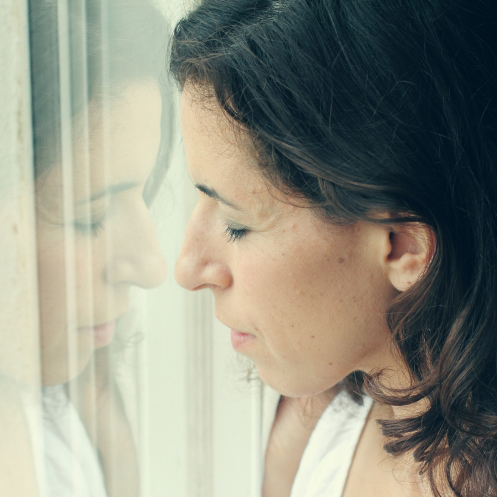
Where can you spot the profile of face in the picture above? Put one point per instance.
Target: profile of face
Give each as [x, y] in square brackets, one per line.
[306, 300]
[97, 243]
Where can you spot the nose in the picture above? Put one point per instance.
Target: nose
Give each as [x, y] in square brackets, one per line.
[201, 263]
[137, 258]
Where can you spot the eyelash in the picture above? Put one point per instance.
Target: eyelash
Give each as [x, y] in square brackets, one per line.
[95, 229]
[233, 234]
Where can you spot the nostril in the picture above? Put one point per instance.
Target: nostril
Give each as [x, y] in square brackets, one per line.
[149, 266]
[117, 271]
[218, 274]
[147, 271]
[196, 274]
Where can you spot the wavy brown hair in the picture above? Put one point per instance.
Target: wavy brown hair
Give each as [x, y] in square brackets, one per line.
[366, 106]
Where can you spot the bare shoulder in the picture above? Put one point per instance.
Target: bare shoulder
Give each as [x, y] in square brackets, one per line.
[375, 473]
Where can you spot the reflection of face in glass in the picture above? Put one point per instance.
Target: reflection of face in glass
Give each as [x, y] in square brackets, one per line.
[114, 246]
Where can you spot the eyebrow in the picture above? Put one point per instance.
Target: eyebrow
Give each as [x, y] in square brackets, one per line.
[213, 194]
[110, 190]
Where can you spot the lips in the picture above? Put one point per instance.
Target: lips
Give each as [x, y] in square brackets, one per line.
[102, 334]
[240, 340]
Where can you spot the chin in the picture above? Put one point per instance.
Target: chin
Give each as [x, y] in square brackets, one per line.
[58, 372]
[294, 387]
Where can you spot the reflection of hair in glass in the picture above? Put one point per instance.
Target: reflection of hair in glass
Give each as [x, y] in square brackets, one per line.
[111, 43]
[367, 106]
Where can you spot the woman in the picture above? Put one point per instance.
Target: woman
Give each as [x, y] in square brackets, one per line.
[101, 120]
[346, 223]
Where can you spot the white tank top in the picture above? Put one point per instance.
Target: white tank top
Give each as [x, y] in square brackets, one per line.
[72, 468]
[327, 458]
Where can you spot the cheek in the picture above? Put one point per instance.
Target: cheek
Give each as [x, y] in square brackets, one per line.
[326, 306]
[94, 297]
[53, 308]
[51, 282]
[282, 295]
[88, 261]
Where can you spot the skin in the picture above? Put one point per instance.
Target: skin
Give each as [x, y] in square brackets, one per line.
[313, 295]
[310, 297]
[111, 241]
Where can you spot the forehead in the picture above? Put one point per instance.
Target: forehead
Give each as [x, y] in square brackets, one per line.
[220, 153]
[109, 145]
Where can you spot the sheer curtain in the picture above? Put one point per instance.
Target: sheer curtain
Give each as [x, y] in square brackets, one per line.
[19, 339]
[113, 380]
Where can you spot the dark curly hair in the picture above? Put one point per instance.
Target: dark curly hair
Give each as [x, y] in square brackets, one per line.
[366, 106]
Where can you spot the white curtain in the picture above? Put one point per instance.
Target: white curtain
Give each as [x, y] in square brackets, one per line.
[113, 380]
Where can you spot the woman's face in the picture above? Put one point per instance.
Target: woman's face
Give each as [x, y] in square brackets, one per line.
[305, 300]
[92, 248]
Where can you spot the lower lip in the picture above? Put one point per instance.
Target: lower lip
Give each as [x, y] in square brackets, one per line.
[240, 340]
[102, 334]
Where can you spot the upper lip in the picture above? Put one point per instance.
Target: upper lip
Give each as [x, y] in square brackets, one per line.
[223, 323]
[232, 327]
[237, 330]
[103, 323]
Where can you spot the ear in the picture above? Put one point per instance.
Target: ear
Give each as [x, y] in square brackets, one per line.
[411, 250]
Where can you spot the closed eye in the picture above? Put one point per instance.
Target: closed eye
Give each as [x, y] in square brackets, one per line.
[233, 234]
[95, 228]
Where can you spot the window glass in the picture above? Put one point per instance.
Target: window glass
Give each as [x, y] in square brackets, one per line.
[113, 380]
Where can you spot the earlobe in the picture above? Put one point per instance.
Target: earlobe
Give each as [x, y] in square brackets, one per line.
[410, 253]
